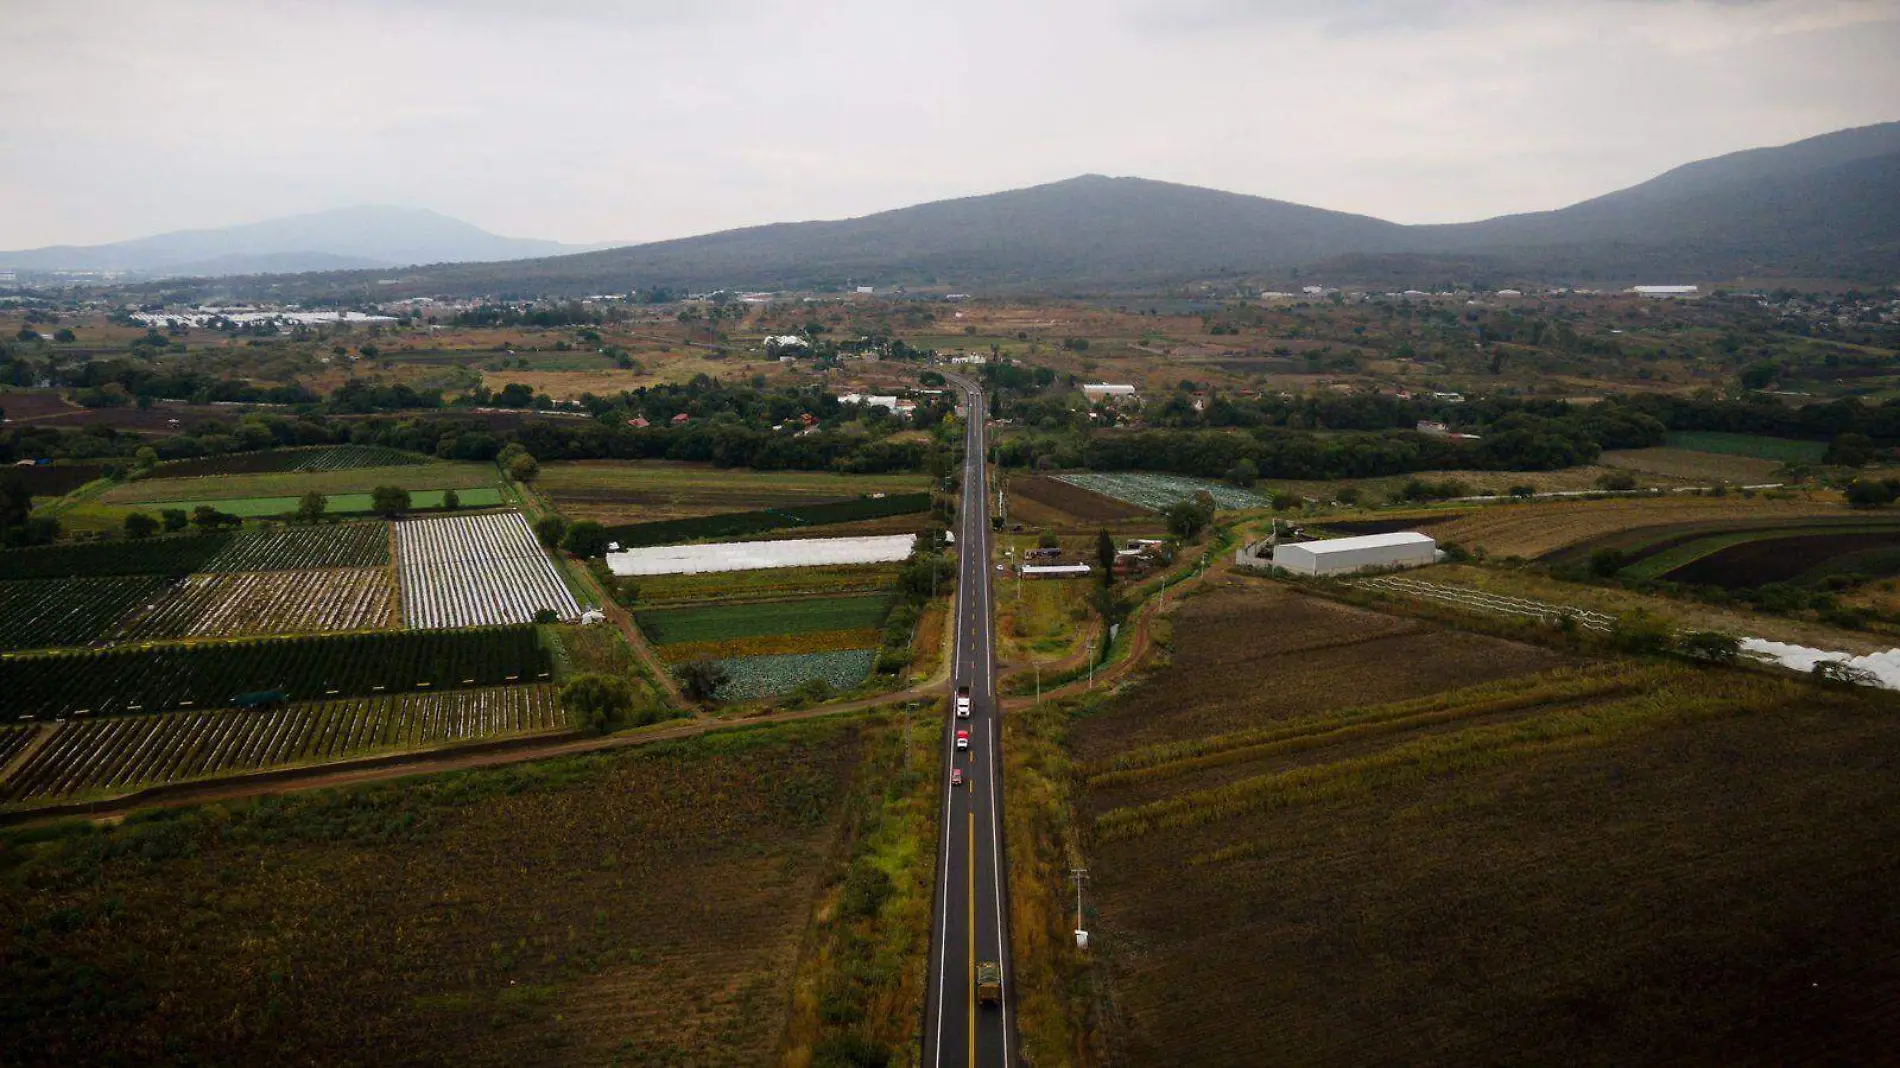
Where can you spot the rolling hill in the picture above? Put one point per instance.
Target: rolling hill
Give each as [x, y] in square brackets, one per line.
[1827, 206]
[369, 236]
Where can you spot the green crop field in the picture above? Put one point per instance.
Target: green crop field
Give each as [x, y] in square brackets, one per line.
[720, 622]
[1786, 450]
[215, 488]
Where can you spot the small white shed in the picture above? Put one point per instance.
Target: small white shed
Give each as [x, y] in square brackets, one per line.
[1336, 556]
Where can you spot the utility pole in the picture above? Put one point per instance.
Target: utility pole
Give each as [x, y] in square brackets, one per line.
[1081, 936]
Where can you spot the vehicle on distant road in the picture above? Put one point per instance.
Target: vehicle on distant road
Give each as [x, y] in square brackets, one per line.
[963, 739]
[963, 702]
[989, 982]
[956, 776]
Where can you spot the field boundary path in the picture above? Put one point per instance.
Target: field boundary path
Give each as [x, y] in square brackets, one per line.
[44, 734]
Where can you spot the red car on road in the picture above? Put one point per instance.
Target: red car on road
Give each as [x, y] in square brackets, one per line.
[963, 739]
[956, 776]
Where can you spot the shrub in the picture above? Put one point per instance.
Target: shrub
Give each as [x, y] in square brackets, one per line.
[597, 703]
[1639, 632]
[1710, 647]
[1607, 562]
[140, 525]
[586, 538]
[550, 529]
[1841, 673]
[389, 500]
[702, 679]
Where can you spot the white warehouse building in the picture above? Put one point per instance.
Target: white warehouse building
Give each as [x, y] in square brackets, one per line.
[1338, 556]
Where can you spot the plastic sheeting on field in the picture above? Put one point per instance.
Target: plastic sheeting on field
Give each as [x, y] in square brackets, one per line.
[1884, 666]
[754, 555]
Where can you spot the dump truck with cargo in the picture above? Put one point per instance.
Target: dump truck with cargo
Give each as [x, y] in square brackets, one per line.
[989, 982]
[963, 702]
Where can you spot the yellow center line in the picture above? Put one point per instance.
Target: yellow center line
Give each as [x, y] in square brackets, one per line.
[970, 987]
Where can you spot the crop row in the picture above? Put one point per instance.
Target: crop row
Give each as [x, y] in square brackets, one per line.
[778, 582]
[1150, 490]
[14, 739]
[43, 613]
[129, 751]
[740, 524]
[212, 675]
[821, 641]
[482, 569]
[271, 602]
[302, 548]
[265, 461]
[767, 676]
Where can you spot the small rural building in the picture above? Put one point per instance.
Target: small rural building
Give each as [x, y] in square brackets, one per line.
[1054, 571]
[1116, 391]
[1338, 556]
[1664, 291]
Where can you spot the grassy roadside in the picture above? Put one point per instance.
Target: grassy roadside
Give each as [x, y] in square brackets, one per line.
[857, 996]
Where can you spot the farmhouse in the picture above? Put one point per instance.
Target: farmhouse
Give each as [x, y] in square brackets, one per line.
[1338, 556]
[1099, 391]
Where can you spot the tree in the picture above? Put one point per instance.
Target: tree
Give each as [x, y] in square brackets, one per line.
[140, 525]
[311, 506]
[550, 529]
[146, 458]
[16, 500]
[1639, 632]
[1186, 519]
[523, 468]
[1046, 539]
[587, 538]
[1244, 473]
[596, 703]
[389, 500]
[1105, 556]
[1867, 493]
[1607, 561]
[1842, 673]
[175, 519]
[702, 679]
[65, 336]
[451, 500]
[1710, 647]
[207, 518]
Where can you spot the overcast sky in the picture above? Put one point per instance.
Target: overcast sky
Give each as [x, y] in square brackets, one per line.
[593, 120]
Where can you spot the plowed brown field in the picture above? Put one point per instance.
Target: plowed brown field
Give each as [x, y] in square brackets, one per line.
[1534, 529]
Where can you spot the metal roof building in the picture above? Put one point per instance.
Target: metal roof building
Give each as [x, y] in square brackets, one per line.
[1337, 556]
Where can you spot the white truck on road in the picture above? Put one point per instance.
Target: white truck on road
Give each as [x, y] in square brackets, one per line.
[963, 702]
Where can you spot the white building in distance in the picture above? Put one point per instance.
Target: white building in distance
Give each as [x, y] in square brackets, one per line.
[1117, 391]
[1339, 556]
[1664, 291]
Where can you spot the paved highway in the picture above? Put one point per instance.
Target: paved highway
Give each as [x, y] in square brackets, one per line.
[970, 924]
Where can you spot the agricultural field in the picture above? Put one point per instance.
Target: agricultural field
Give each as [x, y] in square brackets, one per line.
[761, 555]
[1701, 468]
[209, 675]
[1040, 501]
[283, 549]
[1334, 862]
[1780, 450]
[567, 917]
[1542, 528]
[860, 511]
[270, 602]
[439, 475]
[44, 613]
[767, 584]
[1146, 489]
[125, 752]
[319, 458]
[721, 621]
[752, 677]
[476, 570]
[623, 492]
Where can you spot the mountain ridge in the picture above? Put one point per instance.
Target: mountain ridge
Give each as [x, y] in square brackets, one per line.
[1824, 206]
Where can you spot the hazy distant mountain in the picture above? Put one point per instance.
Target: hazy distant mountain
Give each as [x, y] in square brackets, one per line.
[368, 236]
[1826, 206]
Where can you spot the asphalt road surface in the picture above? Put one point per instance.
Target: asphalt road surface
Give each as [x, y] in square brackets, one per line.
[970, 921]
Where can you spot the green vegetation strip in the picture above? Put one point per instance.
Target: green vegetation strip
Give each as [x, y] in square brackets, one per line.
[725, 622]
[1787, 450]
[770, 676]
[337, 503]
[209, 675]
[741, 524]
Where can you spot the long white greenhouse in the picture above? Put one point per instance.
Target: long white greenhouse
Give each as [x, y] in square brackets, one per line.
[756, 555]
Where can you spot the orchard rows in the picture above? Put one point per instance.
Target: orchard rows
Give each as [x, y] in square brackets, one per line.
[120, 753]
